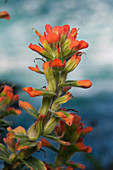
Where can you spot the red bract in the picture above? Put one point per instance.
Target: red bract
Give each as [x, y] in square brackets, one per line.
[56, 63]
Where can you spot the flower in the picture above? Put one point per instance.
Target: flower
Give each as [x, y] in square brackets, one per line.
[57, 64]
[52, 39]
[36, 69]
[4, 14]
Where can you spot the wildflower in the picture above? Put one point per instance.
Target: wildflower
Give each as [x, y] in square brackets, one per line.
[4, 14]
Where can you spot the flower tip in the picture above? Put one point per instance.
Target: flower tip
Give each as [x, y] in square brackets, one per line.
[30, 45]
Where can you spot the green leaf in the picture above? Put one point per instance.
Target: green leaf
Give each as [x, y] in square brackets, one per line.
[4, 154]
[34, 164]
[57, 140]
[71, 83]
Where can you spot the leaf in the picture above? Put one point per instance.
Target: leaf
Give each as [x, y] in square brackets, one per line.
[56, 104]
[4, 154]
[29, 108]
[57, 140]
[34, 164]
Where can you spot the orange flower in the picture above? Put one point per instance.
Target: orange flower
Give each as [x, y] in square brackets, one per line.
[36, 48]
[4, 14]
[25, 105]
[74, 44]
[52, 38]
[7, 89]
[82, 44]
[32, 92]
[10, 141]
[17, 111]
[36, 69]
[81, 146]
[48, 28]
[84, 83]
[65, 29]
[56, 63]
[46, 65]
[18, 130]
[67, 119]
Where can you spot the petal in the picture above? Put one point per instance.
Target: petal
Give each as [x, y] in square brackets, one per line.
[82, 45]
[56, 63]
[74, 45]
[36, 69]
[36, 48]
[48, 28]
[52, 38]
[65, 29]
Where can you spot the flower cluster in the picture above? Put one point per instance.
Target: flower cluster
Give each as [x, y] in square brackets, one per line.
[7, 98]
[60, 51]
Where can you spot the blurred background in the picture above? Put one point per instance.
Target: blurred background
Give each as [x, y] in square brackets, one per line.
[95, 105]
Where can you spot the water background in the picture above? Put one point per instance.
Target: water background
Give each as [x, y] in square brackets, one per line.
[95, 20]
